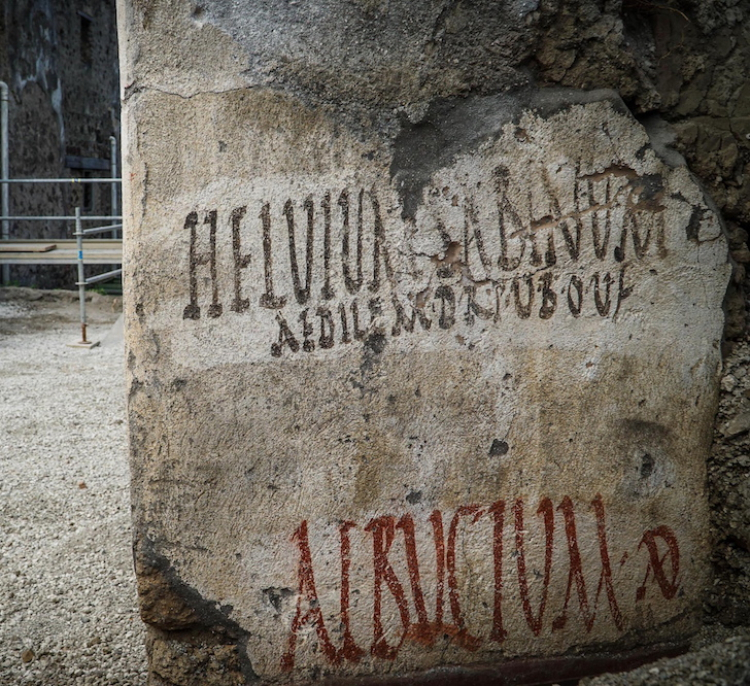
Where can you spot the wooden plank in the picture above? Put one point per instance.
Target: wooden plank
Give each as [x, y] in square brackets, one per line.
[95, 251]
[27, 247]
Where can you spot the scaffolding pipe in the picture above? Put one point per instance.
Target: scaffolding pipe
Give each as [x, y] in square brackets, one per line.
[103, 277]
[101, 229]
[72, 217]
[4, 171]
[81, 283]
[113, 187]
[64, 180]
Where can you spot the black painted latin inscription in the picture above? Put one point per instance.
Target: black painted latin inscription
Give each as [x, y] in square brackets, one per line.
[564, 264]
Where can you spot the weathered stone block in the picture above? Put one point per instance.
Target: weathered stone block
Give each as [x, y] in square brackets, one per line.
[405, 392]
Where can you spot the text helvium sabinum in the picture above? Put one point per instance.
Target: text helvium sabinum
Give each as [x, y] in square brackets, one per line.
[327, 271]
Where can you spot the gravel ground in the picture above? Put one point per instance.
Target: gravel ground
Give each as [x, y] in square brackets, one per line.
[67, 593]
[68, 613]
[719, 657]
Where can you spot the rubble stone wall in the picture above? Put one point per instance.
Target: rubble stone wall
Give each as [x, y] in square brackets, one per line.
[60, 62]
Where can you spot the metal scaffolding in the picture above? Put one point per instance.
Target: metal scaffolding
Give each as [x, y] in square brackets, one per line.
[60, 251]
[54, 251]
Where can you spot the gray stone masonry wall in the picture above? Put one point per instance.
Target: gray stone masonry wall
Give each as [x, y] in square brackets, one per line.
[59, 59]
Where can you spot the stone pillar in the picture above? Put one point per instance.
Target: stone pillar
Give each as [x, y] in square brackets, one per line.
[422, 360]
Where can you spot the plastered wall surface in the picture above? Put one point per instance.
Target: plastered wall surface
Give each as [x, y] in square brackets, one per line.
[429, 386]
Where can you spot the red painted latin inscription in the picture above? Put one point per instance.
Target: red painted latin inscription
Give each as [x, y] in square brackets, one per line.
[660, 545]
[314, 614]
[383, 531]
[575, 575]
[667, 586]
[546, 508]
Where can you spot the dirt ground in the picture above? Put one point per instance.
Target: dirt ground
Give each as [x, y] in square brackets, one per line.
[31, 310]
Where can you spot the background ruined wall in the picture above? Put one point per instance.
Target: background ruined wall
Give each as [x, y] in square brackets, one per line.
[59, 59]
[687, 63]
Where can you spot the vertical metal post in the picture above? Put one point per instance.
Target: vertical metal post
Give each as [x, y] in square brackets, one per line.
[4, 171]
[81, 277]
[113, 188]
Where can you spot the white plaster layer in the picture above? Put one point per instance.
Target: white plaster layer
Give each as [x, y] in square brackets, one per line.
[484, 439]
